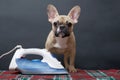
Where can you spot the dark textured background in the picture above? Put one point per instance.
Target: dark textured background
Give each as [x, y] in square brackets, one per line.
[97, 32]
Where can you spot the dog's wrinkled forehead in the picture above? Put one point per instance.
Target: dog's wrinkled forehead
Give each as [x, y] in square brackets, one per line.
[62, 19]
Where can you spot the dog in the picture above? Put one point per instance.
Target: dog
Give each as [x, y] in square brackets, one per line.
[61, 39]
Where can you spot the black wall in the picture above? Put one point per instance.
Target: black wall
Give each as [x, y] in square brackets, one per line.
[97, 32]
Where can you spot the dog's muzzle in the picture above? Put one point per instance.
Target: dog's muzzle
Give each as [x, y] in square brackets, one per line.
[62, 31]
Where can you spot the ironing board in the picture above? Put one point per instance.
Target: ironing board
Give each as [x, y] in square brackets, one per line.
[111, 74]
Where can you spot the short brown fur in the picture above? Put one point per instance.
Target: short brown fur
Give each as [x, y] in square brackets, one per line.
[69, 51]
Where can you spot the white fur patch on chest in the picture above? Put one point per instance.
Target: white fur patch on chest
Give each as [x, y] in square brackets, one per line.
[61, 42]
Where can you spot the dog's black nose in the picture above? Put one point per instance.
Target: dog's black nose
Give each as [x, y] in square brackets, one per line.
[62, 27]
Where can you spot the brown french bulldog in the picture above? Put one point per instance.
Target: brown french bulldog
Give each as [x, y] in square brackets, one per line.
[61, 39]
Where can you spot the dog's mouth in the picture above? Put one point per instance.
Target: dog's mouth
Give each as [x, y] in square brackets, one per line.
[62, 34]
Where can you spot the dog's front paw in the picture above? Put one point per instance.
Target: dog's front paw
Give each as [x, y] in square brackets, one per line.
[72, 69]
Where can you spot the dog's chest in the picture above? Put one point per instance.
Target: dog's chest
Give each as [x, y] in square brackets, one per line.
[61, 42]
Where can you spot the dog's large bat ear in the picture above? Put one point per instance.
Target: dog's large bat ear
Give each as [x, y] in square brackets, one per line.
[74, 13]
[52, 12]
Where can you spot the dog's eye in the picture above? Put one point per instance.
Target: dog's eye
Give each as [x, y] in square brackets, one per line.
[55, 23]
[69, 24]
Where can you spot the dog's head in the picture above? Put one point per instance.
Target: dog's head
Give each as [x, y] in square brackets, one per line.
[62, 25]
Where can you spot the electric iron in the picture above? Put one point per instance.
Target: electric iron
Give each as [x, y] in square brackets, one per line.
[48, 65]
